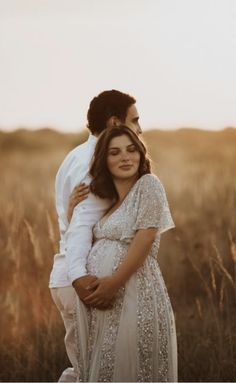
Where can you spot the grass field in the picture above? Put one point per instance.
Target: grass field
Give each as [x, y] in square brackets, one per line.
[198, 258]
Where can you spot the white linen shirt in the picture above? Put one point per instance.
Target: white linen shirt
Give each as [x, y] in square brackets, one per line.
[76, 236]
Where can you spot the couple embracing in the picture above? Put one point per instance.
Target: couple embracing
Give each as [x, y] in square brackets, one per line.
[106, 280]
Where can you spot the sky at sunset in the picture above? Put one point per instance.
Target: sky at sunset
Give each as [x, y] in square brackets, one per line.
[176, 57]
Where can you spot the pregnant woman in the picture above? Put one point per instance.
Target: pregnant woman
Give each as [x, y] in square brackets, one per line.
[135, 338]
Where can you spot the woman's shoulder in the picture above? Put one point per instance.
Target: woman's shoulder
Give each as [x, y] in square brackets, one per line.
[150, 180]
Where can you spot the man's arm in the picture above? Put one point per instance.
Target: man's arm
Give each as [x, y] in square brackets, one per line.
[78, 244]
[81, 284]
[79, 238]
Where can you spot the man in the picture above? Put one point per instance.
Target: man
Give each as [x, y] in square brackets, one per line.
[69, 275]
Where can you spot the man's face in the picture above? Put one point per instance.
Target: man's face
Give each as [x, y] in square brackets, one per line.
[132, 120]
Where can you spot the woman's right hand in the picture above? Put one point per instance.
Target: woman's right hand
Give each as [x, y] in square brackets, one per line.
[79, 193]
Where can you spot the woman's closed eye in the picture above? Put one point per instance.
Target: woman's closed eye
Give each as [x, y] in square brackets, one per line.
[113, 152]
[132, 148]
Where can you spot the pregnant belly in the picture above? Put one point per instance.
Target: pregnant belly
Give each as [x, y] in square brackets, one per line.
[105, 256]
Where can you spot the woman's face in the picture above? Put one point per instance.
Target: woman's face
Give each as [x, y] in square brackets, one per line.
[123, 158]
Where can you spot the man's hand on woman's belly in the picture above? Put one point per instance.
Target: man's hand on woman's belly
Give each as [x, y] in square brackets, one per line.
[81, 287]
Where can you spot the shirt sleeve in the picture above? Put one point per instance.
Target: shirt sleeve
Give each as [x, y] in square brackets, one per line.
[79, 235]
[153, 209]
[70, 174]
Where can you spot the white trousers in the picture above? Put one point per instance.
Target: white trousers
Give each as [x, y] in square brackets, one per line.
[65, 300]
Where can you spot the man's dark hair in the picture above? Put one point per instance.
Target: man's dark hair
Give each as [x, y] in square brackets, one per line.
[102, 183]
[107, 104]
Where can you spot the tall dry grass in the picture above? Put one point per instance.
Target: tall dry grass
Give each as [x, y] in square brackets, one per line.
[198, 258]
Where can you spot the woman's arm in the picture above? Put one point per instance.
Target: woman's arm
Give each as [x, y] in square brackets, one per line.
[137, 253]
[107, 287]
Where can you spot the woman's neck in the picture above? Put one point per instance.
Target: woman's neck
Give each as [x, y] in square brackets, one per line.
[123, 186]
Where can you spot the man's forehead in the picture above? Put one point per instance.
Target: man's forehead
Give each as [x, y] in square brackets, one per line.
[132, 112]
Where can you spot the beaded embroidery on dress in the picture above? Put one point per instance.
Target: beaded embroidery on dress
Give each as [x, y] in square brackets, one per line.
[135, 341]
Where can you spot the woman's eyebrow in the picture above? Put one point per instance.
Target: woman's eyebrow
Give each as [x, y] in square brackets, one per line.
[114, 147]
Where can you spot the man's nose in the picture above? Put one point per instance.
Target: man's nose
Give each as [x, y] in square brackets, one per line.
[139, 129]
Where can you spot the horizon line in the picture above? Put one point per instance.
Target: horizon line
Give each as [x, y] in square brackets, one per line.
[85, 129]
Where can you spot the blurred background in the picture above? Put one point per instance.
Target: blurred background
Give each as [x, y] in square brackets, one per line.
[177, 58]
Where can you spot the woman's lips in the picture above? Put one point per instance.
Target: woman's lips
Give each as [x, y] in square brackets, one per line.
[125, 167]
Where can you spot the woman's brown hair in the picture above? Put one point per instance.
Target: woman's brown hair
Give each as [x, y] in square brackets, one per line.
[102, 184]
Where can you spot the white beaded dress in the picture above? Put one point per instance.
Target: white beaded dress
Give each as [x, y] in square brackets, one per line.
[135, 340]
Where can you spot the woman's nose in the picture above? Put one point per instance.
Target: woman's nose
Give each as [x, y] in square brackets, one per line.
[125, 156]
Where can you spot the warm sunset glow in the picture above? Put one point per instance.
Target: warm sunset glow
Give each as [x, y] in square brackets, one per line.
[177, 58]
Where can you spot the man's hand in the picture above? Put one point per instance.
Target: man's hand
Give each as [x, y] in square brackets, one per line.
[83, 288]
[79, 193]
[105, 290]
[80, 285]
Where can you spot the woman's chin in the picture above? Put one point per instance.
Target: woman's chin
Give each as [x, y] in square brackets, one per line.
[125, 174]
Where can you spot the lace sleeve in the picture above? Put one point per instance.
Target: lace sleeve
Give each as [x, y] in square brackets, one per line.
[153, 209]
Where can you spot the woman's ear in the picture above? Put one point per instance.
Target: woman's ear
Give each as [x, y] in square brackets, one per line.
[113, 121]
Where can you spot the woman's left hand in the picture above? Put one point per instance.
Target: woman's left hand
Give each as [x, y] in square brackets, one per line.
[105, 290]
